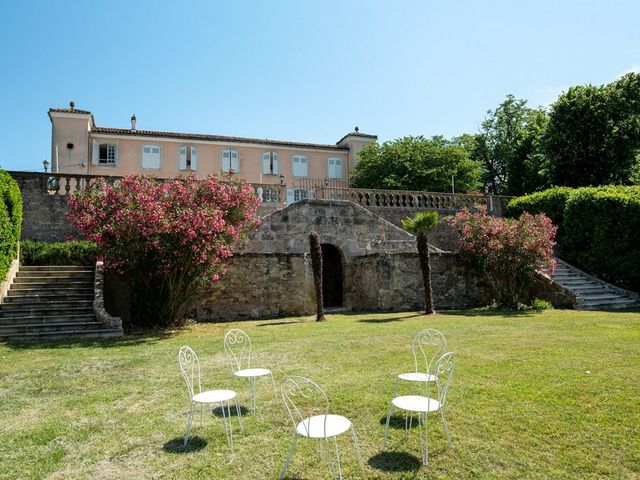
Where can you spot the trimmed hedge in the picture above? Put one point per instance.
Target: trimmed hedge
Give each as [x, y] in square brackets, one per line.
[77, 252]
[10, 221]
[598, 228]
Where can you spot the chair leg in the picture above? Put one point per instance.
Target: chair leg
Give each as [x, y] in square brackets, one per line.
[386, 428]
[253, 394]
[275, 392]
[330, 458]
[291, 450]
[421, 439]
[426, 438]
[355, 440]
[445, 425]
[189, 423]
[227, 427]
[239, 415]
[335, 445]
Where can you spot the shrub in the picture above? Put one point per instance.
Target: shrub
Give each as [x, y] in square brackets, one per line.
[538, 305]
[602, 227]
[10, 221]
[507, 251]
[169, 237]
[78, 252]
[551, 202]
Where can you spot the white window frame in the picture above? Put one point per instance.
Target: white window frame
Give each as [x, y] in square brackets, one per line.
[230, 167]
[293, 165]
[270, 163]
[190, 163]
[95, 157]
[335, 165]
[142, 154]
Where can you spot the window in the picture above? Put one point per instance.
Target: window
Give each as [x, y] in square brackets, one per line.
[270, 163]
[229, 162]
[300, 194]
[270, 195]
[334, 168]
[151, 157]
[104, 154]
[188, 158]
[300, 166]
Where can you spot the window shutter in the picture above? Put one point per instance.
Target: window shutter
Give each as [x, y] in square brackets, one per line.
[266, 164]
[290, 196]
[276, 165]
[194, 158]
[235, 164]
[182, 154]
[225, 161]
[95, 157]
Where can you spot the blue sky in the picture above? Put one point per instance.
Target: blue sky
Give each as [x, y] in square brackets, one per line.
[298, 70]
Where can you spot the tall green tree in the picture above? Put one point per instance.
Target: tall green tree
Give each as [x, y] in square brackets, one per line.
[416, 163]
[508, 146]
[593, 136]
[420, 226]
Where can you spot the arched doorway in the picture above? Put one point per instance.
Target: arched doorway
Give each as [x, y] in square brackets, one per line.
[332, 277]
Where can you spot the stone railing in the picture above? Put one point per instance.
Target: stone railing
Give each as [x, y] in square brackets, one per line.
[55, 183]
[271, 194]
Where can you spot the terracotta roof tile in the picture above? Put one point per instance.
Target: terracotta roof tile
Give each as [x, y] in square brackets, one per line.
[69, 110]
[214, 138]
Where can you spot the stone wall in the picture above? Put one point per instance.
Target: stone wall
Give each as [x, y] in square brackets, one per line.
[393, 282]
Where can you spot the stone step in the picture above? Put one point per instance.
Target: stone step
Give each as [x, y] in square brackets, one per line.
[49, 275]
[608, 305]
[47, 299]
[568, 276]
[56, 318]
[21, 291]
[53, 280]
[590, 289]
[55, 268]
[25, 328]
[44, 310]
[66, 334]
[602, 296]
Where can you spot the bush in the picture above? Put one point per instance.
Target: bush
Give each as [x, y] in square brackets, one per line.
[169, 238]
[602, 233]
[78, 252]
[551, 202]
[10, 221]
[539, 305]
[508, 252]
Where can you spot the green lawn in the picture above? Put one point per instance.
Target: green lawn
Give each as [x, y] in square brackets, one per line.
[548, 395]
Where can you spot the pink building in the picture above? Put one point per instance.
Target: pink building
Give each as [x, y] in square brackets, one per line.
[78, 146]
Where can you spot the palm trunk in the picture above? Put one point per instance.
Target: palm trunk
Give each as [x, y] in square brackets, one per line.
[316, 263]
[425, 266]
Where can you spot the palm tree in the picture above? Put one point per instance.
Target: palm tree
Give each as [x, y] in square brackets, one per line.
[316, 264]
[420, 226]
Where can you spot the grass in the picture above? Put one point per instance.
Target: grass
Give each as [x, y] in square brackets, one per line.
[535, 395]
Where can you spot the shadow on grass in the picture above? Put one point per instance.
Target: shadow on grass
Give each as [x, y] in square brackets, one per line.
[272, 324]
[398, 422]
[218, 411]
[395, 462]
[388, 320]
[145, 338]
[176, 445]
[486, 312]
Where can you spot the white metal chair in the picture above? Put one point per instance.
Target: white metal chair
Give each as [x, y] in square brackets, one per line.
[428, 346]
[237, 345]
[190, 371]
[308, 408]
[423, 405]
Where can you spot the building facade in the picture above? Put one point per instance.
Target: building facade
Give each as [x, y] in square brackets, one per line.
[79, 146]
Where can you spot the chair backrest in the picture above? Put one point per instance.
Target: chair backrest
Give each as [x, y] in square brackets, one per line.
[443, 369]
[303, 398]
[190, 369]
[237, 346]
[428, 346]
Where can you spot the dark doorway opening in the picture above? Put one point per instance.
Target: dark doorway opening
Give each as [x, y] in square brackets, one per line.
[332, 277]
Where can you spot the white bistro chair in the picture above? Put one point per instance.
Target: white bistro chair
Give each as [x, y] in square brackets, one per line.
[308, 408]
[427, 347]
[237, 345]
[190, 371]
[424, 405]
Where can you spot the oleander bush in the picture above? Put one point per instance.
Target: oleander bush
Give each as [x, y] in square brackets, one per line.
[10, 221]
[76, 252]
[597, 228]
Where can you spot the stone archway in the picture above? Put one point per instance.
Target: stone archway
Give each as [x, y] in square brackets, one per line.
[332, 276]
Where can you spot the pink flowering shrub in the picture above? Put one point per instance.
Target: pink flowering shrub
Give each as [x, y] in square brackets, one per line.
[167, 237]
[507, 251]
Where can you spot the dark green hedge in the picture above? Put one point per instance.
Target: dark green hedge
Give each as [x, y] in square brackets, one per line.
[10, 221]
[58, 253]
[598, 228]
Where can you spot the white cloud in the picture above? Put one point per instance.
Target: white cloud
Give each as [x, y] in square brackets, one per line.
[632, 69]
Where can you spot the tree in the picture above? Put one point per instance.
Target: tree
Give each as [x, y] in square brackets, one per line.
[508, 252]
[416, 163]
[316, 264]
[420, 226]
[593, 136]
[169, 238]
[508, 146]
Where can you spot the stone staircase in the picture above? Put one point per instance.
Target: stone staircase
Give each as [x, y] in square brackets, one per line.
[51, 302]
[592, 293]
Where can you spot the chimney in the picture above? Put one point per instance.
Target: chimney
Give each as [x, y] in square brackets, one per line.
[133, 121]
